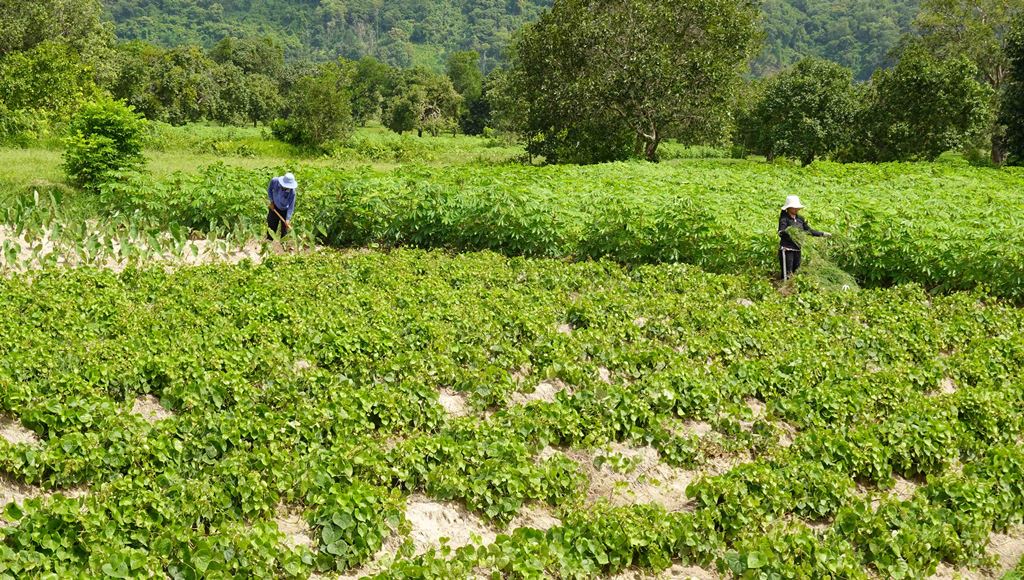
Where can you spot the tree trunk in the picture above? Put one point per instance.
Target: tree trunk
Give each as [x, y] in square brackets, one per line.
[651, 151]
[807, 159]
[419, 132]
[999, 152]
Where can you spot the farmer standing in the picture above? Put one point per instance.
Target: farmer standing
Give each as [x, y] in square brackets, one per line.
[789, 250]
[281, 203]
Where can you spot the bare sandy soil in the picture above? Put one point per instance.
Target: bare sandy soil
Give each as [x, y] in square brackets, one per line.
[114, 255]
[1007, 550]
[149, 408]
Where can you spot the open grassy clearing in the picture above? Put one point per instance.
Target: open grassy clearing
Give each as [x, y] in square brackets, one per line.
[346, 411]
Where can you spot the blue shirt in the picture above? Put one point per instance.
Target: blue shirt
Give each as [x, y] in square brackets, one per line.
[284, 199]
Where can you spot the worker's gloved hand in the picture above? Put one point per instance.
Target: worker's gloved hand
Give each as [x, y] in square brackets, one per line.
[288, 224]
[270, 204]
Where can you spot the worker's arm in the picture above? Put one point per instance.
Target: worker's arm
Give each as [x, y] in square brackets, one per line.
[814, 232]
[270, 194]
[288, 211]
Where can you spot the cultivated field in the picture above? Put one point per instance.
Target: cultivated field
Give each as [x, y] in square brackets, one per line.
[566, 372]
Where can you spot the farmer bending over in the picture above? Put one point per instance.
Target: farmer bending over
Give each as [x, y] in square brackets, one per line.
[281, 202]
[789, 250]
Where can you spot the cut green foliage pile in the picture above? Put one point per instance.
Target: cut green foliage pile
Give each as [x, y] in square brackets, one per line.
[818, 271]
[168, 419]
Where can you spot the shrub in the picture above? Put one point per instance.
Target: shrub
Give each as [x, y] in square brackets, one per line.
[104, 136]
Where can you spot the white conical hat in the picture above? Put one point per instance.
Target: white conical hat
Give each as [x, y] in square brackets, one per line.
[793, 201]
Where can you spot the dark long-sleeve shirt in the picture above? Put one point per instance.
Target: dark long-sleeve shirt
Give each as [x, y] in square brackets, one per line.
[283, 199]
[785, 222]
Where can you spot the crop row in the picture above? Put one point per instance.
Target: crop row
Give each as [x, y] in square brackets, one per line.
[941, 226]
[861, 378]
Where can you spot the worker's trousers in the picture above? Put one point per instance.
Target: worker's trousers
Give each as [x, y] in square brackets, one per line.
[275, 224]
[789, 261]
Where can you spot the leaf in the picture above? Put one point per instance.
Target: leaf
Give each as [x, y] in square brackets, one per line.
[13, 512]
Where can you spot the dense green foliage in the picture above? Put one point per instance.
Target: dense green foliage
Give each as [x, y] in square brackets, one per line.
[237, 82]
[857, 34]
[804, 112]
[318, 108]
[1012, 110]
[893, 223]
[103, 137]
[589, 73]
[52, 56]
[418, 99]
[977, 30]
[400, 33]
[921, 108]
[347, 439]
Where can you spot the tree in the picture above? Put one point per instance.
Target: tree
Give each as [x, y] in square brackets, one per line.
[104, 136]
[369, 84]
[252, 55]
[1012, 111]
[652, 68]
[803, 112]
[402, 114]
[468, 80]
[49, 77]
[921, 108]
[318, 107]
[28, 23]
[135, 78]
[185, 84]
[464, 72]
[246, 98]
[425, 97]
[977, 30]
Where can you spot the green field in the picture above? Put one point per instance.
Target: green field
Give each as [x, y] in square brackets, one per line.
[569, 372]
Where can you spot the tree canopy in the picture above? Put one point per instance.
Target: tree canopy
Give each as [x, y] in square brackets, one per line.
[804, 112]
[858, 34]
[921, 108]
[1012, 112]
[605, 71]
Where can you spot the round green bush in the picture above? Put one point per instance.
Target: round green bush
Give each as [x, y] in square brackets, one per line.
[103, 137]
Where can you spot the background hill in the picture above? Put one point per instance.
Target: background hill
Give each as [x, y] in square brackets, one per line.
[855, 33]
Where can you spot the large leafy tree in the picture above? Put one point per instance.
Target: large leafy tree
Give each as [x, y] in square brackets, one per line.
[52, 53]
[468, 80]
[186, 84]
[1012, 112]
[252, 55]
[28, 23]
[921, 108]
[977, 30]
[650, 68]
[804, 112]
[318, 107]
[422, 100]
[47, 77]
[464, 71]
[246, 98]
[369, 85]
